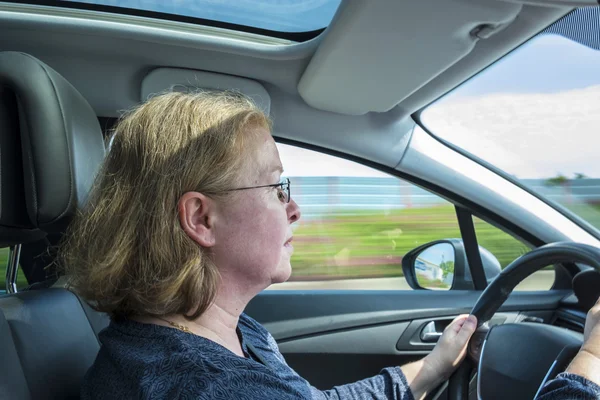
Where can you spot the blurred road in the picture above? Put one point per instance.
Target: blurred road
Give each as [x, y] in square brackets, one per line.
[541, 280]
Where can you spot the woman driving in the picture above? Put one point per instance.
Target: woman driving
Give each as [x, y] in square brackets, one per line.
[187, 222]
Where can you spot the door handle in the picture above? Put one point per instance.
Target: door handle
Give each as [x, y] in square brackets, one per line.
[429, 333]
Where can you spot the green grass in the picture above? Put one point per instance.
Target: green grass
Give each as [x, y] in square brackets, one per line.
[369, 244]
[588, 211]
[21, 281]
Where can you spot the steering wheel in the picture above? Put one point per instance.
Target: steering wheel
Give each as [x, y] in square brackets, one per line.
[514, 361]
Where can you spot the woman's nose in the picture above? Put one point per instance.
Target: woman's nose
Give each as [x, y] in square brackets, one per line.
[293, 211]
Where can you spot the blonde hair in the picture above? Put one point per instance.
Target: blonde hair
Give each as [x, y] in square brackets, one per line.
[126, 252]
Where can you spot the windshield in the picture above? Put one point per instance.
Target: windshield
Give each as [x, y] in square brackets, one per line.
[536, 114]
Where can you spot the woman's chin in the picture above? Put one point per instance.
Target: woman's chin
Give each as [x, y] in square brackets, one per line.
[283, 273]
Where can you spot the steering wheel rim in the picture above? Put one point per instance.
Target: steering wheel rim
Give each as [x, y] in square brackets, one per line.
[502, 286]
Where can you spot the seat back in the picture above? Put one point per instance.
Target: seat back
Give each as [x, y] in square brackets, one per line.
[13, 384]
[54, 340]
[55, 146]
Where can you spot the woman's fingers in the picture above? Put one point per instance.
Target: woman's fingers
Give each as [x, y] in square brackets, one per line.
[463, 320]
[467, 328]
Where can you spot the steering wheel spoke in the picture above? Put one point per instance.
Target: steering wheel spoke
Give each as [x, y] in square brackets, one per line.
[560, 364]
[477, 341]
[515, 358]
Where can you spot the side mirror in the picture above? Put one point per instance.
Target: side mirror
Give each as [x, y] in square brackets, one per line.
[443, 265]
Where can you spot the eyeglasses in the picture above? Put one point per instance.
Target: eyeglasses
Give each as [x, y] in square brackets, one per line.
[283, 193]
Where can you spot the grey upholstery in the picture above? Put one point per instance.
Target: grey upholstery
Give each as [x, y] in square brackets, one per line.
[12, 382]
[61, 139]
[54, 340]
[51, 146]
[15, 226]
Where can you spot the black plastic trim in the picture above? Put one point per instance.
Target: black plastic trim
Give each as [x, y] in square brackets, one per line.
[570, 318]
[467, 231]
[292, 36]
[344, 308]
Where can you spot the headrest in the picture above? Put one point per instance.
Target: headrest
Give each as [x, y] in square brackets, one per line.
[15, 226]
[50, 148]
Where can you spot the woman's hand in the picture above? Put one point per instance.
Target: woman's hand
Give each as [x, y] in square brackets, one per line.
[451, 348]
[592, 331]
[587, 362]
[425, 375]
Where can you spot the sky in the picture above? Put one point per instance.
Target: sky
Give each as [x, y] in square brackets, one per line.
[277, 15]
[546, 64]
[438, 254]
[301, 162]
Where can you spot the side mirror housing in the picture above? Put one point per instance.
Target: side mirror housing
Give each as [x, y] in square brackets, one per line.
[443, 265]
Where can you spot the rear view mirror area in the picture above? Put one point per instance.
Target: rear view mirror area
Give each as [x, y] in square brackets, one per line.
[434, 267]
[443, 265]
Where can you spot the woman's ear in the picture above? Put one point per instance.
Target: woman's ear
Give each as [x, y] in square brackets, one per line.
[196, 216]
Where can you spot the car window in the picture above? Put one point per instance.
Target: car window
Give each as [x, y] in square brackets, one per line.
[357, 223]
[506, 249]
[21, 280]
[534, 114]
[274, 15]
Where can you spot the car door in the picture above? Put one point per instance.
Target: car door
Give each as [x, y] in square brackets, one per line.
[348, 311]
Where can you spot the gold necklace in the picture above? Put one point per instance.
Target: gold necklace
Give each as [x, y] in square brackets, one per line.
[176, 325]
[185, 329]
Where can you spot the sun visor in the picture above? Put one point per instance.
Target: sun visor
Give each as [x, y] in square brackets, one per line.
[175, 79]
[377, 53]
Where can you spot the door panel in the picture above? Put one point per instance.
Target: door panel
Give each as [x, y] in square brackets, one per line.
[381, 339]
[338, 337]
[338, 369]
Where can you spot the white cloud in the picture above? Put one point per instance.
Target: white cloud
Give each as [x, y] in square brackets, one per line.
[527, 135]
[301, 162]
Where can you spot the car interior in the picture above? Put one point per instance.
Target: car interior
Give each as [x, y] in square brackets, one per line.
[354, 88]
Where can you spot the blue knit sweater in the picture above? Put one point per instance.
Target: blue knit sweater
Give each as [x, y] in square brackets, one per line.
[146, 361]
